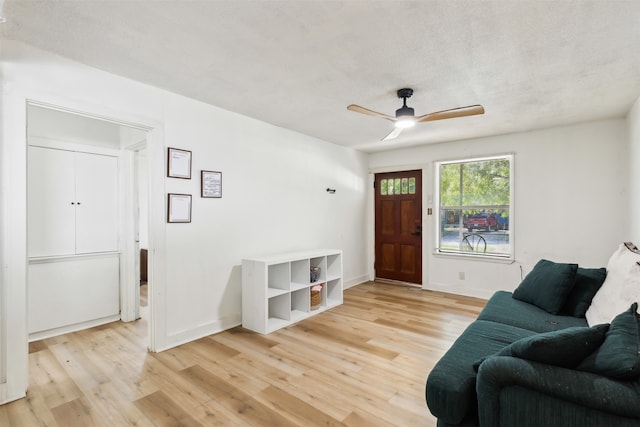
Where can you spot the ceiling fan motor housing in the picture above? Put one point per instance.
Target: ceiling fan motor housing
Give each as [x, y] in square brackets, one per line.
[405, 111]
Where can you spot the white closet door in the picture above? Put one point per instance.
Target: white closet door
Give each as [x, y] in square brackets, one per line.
[51, 193]
[97, 203]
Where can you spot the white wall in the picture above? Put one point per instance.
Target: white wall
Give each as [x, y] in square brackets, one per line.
[62, 126]
[571, 201]
[633, 121]
[143, 200]
[274, 197]
[273, 200]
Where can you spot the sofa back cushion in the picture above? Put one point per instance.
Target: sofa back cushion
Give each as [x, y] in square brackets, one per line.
[548, 285]
[588, 282]
[619, 355]
[620, 288]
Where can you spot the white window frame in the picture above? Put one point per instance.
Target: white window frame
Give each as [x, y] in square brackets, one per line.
[510, 257]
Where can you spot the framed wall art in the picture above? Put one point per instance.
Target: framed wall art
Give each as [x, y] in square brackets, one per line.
[211, 184]
[179, 208]
[178, 163]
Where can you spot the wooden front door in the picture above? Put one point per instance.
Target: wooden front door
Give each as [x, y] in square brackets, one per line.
[398, 222]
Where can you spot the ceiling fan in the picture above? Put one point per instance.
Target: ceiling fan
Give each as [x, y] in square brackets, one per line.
[406, 118]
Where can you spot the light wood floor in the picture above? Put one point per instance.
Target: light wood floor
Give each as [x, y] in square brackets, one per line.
[361, 364]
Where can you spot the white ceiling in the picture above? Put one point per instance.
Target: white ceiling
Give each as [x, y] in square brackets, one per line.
[299, 63]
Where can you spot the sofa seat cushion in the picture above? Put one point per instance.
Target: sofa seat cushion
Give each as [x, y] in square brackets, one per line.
[450, 390]
[502, 308]
[565, 348]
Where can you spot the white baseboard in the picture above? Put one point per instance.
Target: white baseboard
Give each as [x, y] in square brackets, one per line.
[459, 290]
[182, 337]
[6, 397]
[356, 281]
[35, 336]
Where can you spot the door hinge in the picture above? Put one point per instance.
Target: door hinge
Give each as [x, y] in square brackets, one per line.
[374, 185]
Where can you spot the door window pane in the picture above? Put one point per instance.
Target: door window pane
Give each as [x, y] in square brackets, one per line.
[412, 186]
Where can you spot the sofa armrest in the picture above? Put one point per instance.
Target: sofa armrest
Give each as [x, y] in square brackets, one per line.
[589, 395]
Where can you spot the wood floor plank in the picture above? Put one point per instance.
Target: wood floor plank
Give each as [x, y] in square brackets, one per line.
[54, 383]
[174, 384]
[301, 411]
[37, 346]
[28, 412]
[360, 418]
[363, 363]
[227, 394]
[116, 408]
[164, 412]
[243, 342]
[301, 386]
[76, 413]
[78, 366]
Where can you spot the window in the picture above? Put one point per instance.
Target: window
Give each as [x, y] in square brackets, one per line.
[474, 204]
[391, 186]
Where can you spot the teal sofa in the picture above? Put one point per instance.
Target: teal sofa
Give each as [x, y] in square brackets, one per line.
[473, 384]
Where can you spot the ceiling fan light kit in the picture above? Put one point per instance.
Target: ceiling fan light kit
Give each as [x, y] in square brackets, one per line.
[405, 116]
[405, 123]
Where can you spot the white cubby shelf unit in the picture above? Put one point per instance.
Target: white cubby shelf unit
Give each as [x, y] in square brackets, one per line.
[276, 290]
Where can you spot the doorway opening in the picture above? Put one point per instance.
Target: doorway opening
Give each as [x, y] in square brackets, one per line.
[398, 226]
[141, 209]
[106, 158]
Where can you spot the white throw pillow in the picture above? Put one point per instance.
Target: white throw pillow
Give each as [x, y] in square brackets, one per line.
[620, 289]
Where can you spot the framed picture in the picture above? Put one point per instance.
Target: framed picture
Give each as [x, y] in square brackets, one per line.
[179, 208]
[211, 184]
[179, 163]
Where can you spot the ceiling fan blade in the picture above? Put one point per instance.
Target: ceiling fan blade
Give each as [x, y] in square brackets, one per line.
[359, 109]
[393, 134]
[471, 110]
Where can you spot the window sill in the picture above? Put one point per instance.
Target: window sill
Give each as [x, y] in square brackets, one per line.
[504, 259]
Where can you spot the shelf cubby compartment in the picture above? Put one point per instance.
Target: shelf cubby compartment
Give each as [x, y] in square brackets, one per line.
[333, 293]
[299, 274]
[334, 266]
[276, 290]
[322, 263]
[279, 312]
[278, 277]
[300, 303]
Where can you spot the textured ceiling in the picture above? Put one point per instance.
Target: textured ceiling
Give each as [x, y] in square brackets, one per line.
[298, 63]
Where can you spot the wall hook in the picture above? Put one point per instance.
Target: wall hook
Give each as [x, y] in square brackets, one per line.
[331, 190]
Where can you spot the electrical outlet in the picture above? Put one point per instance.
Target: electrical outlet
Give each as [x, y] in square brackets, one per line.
[461, 275]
